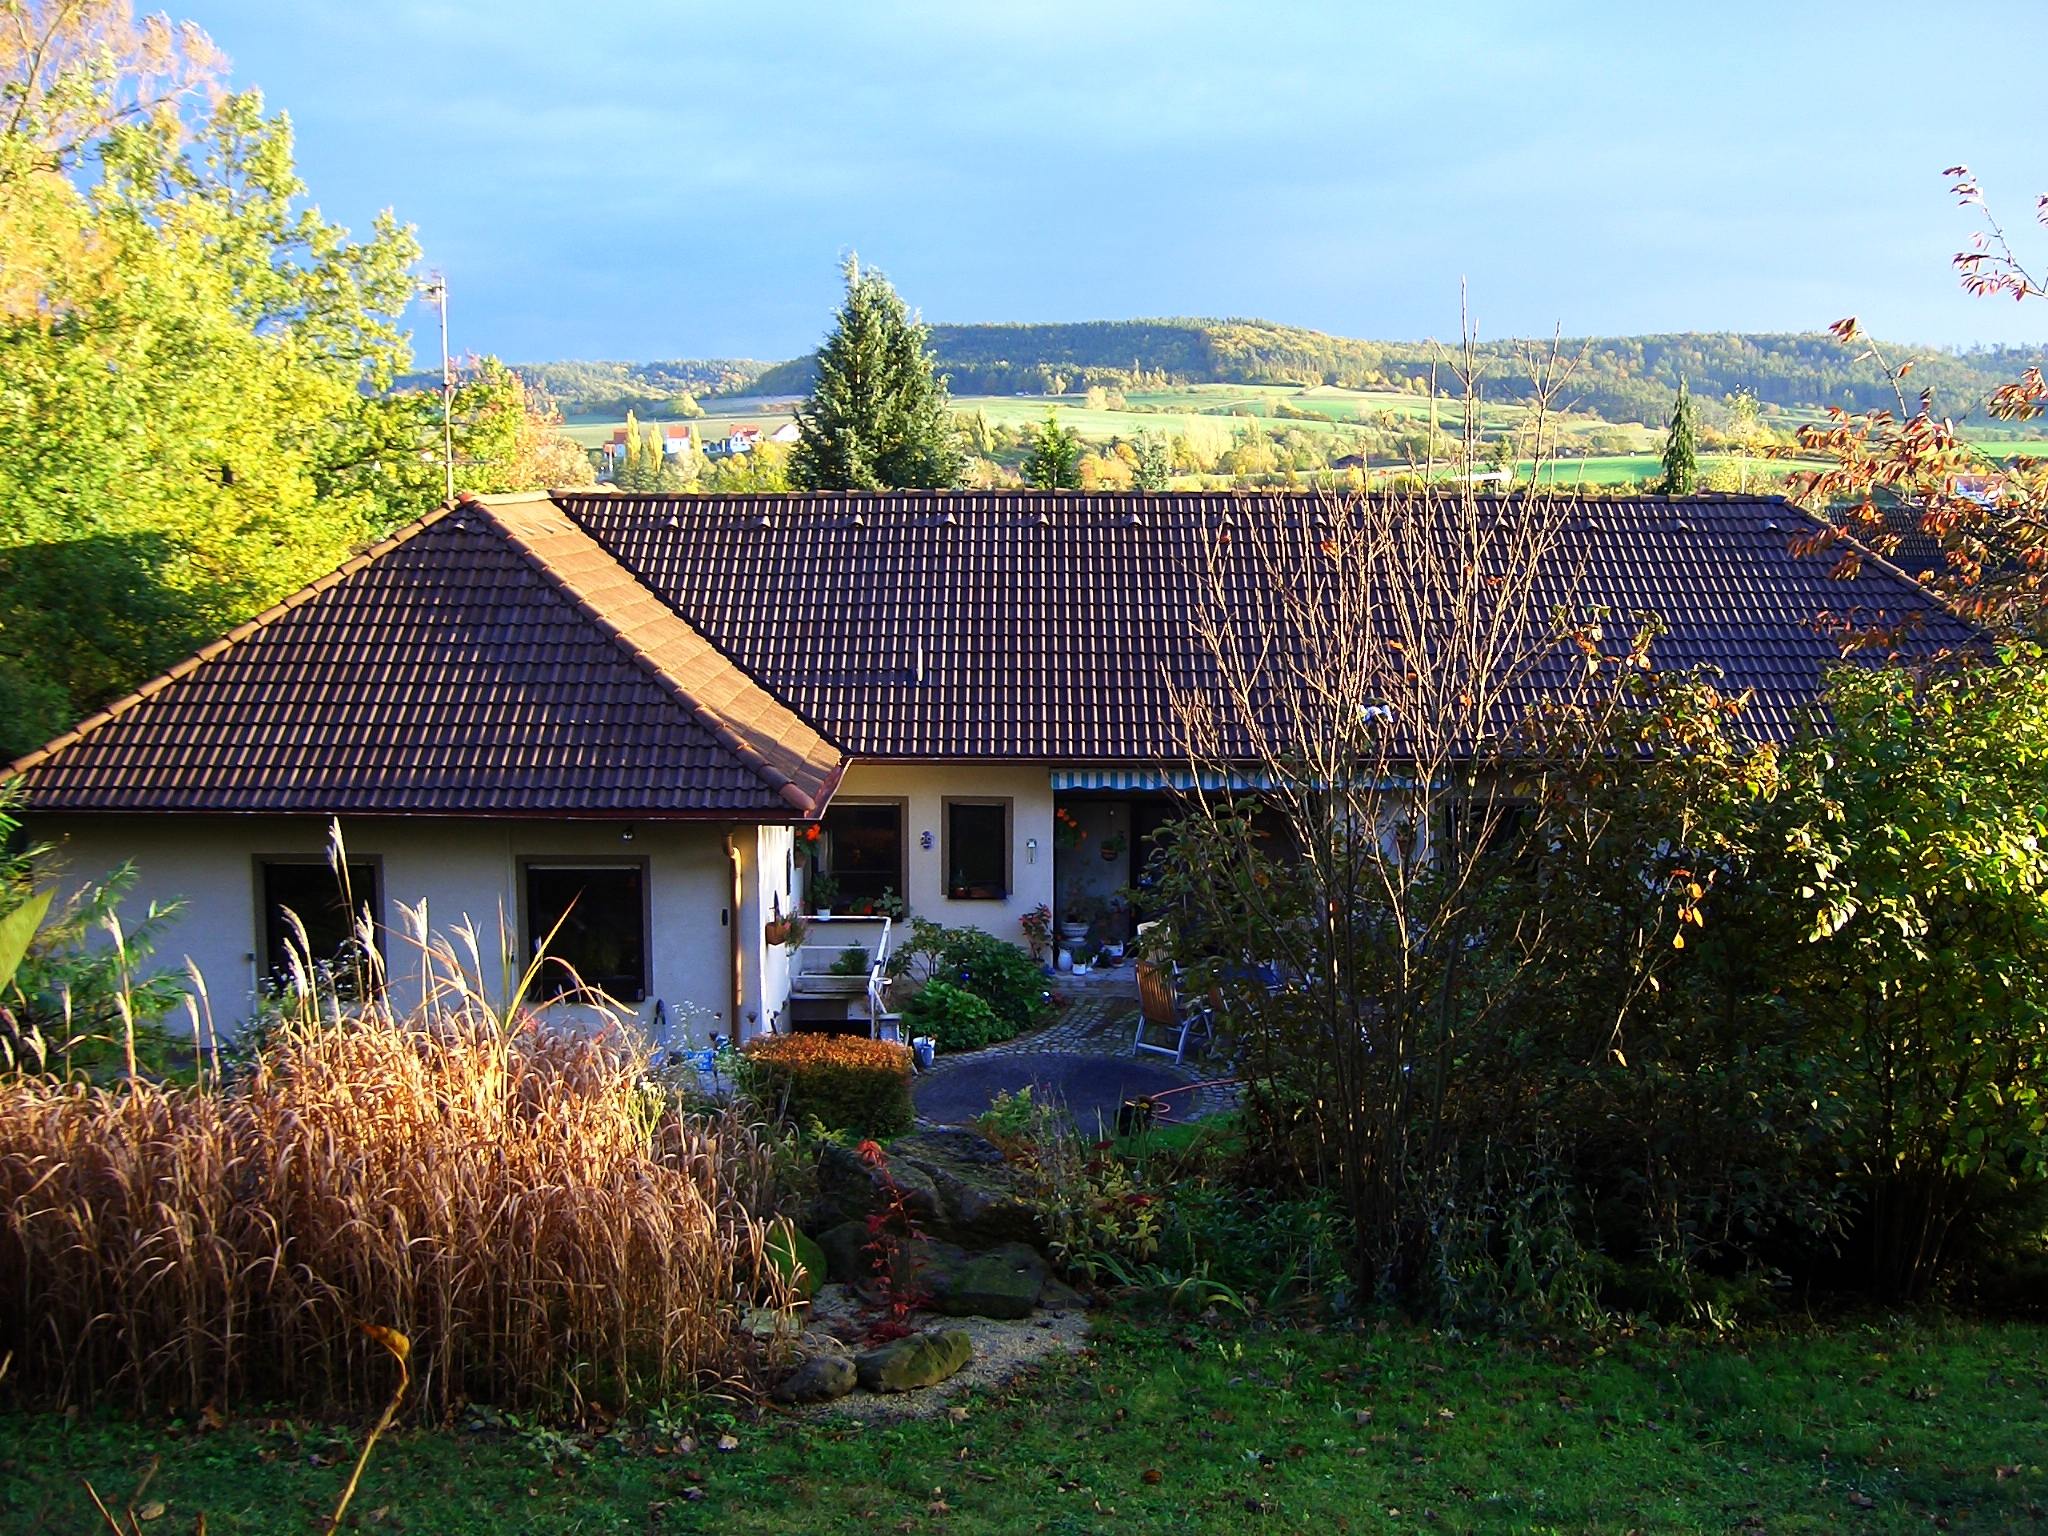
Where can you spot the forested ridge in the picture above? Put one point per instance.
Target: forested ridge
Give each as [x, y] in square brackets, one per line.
[1622, 378]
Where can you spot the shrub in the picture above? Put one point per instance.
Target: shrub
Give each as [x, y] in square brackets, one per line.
[844, 1082]
[997, 972]
[954, 1017]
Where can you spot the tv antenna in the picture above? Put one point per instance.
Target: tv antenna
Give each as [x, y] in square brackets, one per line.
[436, 293]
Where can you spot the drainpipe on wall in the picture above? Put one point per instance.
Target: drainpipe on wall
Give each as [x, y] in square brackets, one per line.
[732, 923]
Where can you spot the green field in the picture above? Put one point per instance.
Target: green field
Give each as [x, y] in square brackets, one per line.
[1885, 1427]
[1212, 414]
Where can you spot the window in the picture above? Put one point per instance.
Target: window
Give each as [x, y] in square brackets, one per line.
[865, 852]
[977, 850]
[602, 937]
[309, 890]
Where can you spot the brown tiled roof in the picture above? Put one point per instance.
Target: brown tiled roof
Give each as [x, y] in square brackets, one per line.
[488, 660]
[600, 654]
[1043, 626]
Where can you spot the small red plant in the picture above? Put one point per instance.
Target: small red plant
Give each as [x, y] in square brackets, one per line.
[891, 1232]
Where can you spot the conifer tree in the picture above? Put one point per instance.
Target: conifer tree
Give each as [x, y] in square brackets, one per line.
[878, 417]
[1681, 457]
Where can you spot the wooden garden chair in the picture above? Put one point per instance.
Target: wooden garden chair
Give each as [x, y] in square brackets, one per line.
[1162, 1015]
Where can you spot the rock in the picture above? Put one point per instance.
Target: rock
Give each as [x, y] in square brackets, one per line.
[975, 1190]
[1058, 1296]
[849, 1189]
[922, 1360]
[818, 1380]
[797, 1259]
[842, 1245]
[1004, 1282]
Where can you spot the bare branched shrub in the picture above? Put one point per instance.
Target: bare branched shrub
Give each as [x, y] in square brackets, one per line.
[1353, 717]
[513, 1195]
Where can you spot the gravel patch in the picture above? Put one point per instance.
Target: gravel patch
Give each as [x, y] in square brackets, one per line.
[1001, 1351]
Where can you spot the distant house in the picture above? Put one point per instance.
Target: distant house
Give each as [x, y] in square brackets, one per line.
[637, 708]
[741, 439]
[788, 432]
[678, 441]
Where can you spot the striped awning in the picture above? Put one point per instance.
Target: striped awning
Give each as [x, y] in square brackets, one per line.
[1127, 779]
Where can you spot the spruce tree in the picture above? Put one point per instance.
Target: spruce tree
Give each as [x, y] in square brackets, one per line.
[878, 417]
[1681, 458]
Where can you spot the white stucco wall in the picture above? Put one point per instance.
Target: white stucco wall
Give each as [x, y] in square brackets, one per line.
[924, 789]
[463, 869]
[768, 887]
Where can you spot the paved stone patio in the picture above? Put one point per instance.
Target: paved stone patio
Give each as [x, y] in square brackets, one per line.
[1083, 1058]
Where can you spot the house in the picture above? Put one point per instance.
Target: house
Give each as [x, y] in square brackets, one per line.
[677, 441]
[740, 439]
[786, 434]
[629, 714]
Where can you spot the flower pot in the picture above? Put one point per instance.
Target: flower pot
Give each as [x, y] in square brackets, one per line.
[1116, 951]
[1073, 933]
[1080, 969]
[776, 931]
[824, 912]
[1066, 960]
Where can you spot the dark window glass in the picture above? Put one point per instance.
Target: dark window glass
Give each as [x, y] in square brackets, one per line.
[312, 891]
[977, 851]
[866, 852]
[602, 937]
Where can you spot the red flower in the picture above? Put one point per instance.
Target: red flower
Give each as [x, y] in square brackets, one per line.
[871, 1152]
[811, 833]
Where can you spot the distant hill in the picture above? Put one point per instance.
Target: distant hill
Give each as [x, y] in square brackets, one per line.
[612, 389]
[1624, 378]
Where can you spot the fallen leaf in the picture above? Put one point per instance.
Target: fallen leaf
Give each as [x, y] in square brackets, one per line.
[1153, 1476]
[728, 1442]
[153, 1510]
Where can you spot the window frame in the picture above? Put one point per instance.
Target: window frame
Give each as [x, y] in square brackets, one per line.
[546, 991]
[260, 863]
[901, 884]
[1008, 805]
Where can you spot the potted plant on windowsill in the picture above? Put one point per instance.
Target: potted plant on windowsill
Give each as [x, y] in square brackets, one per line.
[824, 891]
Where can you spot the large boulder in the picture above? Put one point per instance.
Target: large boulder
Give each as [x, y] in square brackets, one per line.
[922, 1360]
[818, 1380]
[977, 1198]
[850, 1189]
[1005, 1283]
[843, 1246]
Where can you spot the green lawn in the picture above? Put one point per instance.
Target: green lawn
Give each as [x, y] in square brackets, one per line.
[1890, 1428]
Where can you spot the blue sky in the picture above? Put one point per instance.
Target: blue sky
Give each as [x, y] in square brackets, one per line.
[680, 179]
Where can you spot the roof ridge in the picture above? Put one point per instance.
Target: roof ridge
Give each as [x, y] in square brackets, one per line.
[810, 770]
[228, 641]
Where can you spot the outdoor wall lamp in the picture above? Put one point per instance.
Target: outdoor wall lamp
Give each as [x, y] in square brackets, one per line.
[1030, 850]
[627, 835]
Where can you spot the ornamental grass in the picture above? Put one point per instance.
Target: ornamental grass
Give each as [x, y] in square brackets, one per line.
[547, 1226]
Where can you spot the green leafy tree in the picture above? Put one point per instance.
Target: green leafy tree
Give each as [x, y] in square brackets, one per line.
[225, 353]
[878, 416]
[1681, 451]
[1152, 462]
[1054, 463]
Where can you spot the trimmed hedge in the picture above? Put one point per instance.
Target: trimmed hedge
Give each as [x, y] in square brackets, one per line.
[845, 1082]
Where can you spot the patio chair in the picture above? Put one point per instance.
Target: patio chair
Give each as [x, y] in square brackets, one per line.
[1162, 1014]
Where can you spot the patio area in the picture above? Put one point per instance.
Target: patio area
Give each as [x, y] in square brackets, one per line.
[1082, 1059]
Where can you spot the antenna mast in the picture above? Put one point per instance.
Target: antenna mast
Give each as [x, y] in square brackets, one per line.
[437, 295]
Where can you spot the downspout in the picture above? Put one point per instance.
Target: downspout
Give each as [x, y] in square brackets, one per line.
[732, 854]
